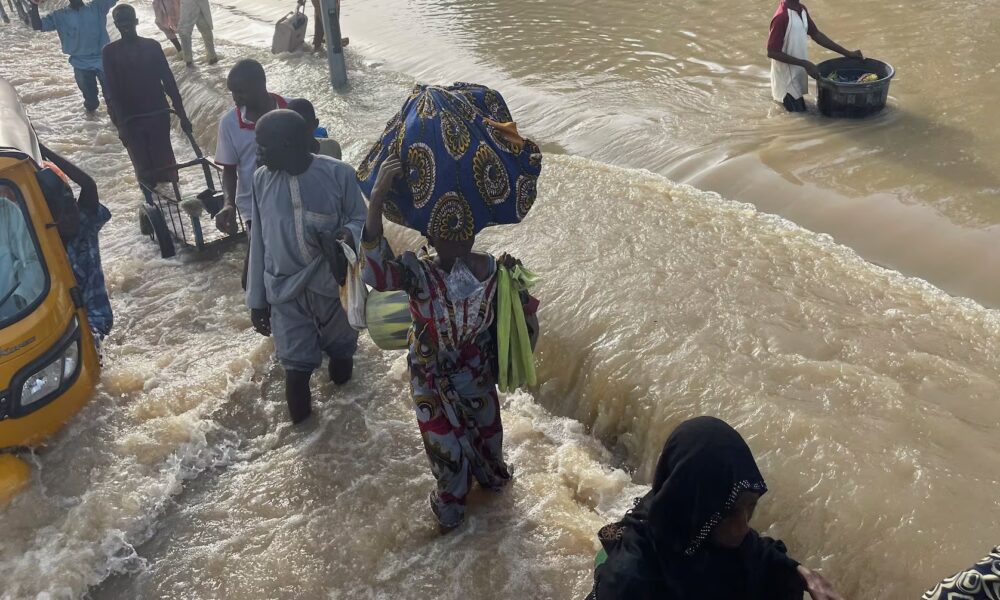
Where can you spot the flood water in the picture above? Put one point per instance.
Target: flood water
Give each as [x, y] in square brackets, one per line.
[701, 253]
[682, 89]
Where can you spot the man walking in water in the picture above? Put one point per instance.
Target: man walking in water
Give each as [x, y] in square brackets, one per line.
[318, 32]
[236, 150]
[83, 33]
[168, 15]
[302, 205]
[196, 13]
[138, 83]
[787, 47]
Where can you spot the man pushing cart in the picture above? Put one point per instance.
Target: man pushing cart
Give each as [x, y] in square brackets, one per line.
[139, 83]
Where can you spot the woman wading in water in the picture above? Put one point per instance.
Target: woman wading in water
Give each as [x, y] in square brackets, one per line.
[452, 351]
[690, 536]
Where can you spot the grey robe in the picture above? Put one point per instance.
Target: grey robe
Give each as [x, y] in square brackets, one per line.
[287, 270]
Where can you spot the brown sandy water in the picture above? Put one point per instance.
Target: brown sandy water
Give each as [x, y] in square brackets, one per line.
[868, 394]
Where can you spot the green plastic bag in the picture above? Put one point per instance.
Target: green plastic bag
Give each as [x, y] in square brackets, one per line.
[515, 358]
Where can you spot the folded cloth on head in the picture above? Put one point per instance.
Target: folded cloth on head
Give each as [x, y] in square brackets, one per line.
[465, 167]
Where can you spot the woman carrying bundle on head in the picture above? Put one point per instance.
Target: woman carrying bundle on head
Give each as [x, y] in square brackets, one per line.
[438, 169]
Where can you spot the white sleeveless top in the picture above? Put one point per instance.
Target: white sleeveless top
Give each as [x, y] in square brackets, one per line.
[786, 78]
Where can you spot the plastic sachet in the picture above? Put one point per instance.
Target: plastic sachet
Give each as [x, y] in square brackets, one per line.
[354, 292]
[462, 283]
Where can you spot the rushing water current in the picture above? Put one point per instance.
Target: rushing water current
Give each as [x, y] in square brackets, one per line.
[868, 394]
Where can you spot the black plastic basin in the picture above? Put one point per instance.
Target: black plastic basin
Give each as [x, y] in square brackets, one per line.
[854, 100]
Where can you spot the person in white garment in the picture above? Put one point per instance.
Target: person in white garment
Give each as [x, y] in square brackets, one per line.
[787, 47]
[196, 13]
[236, 149]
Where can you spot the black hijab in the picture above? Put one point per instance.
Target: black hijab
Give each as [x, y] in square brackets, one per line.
[705, 465]
[660, 549]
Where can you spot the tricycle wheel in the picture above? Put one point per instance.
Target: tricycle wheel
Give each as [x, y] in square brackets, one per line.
[153, 219]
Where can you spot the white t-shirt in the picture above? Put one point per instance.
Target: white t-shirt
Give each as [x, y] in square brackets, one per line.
[237, 147]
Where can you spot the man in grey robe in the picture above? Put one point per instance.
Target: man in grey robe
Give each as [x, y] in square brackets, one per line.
[300, 202]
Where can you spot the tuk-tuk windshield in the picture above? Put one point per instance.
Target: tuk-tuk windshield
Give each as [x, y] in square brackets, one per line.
[22, 274]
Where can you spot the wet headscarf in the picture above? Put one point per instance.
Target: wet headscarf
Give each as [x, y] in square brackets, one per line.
[659, 549]
[704, 467]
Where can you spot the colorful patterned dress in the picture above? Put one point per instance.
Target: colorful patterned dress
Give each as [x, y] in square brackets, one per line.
[979, 582]
[452, 374]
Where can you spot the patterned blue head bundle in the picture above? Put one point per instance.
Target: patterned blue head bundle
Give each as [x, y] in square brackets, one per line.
[465, 167]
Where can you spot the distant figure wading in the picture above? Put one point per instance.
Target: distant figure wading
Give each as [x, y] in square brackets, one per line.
[788, 49]
[168, 16]
[139, 82]
[196, 13]
[83, 33]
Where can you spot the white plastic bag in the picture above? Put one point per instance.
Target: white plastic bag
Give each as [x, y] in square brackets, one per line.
[354, 292]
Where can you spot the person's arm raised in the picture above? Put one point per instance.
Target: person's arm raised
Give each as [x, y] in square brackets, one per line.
[387, 174]
[106, 5]
[381, 269]
[88, 199]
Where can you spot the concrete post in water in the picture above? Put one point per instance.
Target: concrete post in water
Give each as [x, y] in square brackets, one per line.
[334, 49]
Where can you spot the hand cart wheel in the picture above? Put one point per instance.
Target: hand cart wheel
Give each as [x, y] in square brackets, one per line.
[151, 220]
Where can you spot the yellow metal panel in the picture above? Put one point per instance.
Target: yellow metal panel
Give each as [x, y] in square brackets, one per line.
[25, 341]
[14, 475]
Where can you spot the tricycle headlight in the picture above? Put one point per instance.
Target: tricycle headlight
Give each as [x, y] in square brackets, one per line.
[42, 383]
[53, 376]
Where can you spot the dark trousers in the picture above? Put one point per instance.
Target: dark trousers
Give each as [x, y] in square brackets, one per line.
[87, 80]
[318, 25]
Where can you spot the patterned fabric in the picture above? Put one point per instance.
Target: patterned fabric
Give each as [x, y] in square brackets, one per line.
[84, 253]
[465, 165]
[452, 378]
[980, 582]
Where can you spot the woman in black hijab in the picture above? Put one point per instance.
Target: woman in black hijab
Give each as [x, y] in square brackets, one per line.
[690, 537]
